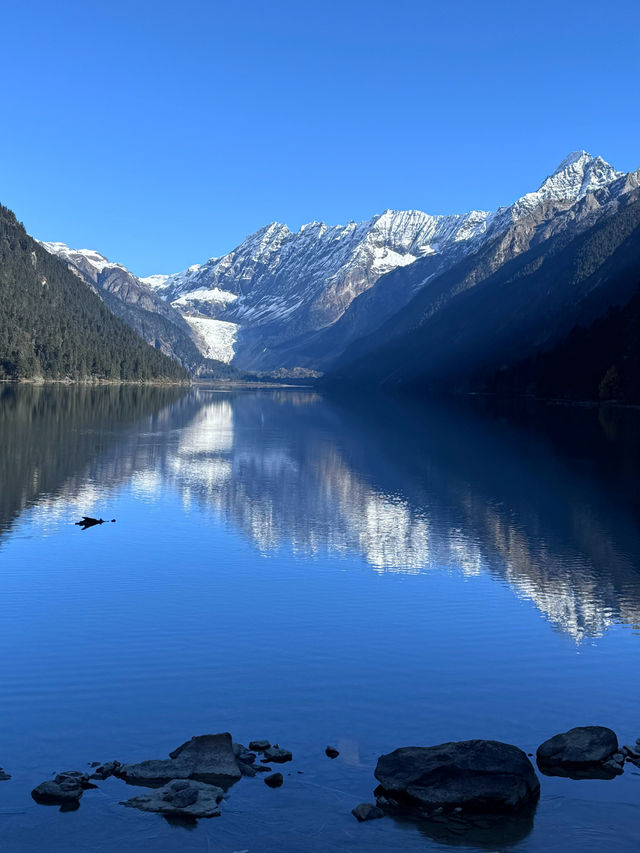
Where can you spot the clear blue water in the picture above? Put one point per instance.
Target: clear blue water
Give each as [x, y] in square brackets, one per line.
[362, 573]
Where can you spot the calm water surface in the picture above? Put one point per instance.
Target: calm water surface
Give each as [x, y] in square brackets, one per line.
[368, 574]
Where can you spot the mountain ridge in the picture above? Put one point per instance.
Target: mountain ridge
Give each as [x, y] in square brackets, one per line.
[289, 301]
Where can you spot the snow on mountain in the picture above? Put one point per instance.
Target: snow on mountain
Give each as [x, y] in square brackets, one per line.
[90, 260]
[154, 281]
[219, 337]
[280, 284]
[577, 175]
[279, 287]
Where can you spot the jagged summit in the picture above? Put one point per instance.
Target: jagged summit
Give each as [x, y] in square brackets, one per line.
[572, 158]
[579, 173]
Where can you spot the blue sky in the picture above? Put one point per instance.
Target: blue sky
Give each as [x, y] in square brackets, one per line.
[163, 133]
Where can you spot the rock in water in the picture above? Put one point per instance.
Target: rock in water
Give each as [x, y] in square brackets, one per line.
[65, 790]
[581, 752]
[331, 752]
[4, 776]
[483, 776]
[243, 754]
[259, 745]
[247, 769]
[103, 771]
[208, 758]
[274, 781]
[184, 797]
[367, 811]
[275, 753]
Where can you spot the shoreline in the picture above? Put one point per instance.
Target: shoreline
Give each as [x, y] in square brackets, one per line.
[96, 381]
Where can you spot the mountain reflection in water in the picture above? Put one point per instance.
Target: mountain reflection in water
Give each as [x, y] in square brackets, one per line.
[544, 500]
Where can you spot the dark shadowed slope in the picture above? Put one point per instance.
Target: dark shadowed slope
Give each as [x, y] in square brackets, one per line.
[468, 323]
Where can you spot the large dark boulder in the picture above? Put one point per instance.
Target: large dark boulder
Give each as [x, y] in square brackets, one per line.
[208, 758]
[481, 776]
[582, 752]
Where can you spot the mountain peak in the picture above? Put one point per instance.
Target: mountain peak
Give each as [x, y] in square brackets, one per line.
[574, 157]
[578, 174]
[94, 259]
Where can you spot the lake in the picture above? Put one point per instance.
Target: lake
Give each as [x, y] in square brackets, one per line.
[367, 573]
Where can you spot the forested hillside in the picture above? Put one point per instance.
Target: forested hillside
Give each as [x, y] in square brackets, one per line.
[53, 326]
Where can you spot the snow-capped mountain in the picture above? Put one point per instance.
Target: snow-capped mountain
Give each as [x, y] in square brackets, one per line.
[279, 290]
[291, 300]
[278, 284]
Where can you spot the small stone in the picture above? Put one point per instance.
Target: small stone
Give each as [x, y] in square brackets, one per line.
[4, 776]
[103, 771]
[243, 754]
[331, 752]
[276, 754]
[633, 751]
[259, 745]
[247, 769]
[261, 768]
[367, 811]
[274, 781]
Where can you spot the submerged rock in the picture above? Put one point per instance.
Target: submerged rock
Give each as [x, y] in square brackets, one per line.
[584, 752]
[484, 776]
[185, 797]
[331, 752]
[278, 755]
[208, 758]
[65, 790]
[274, 781]
[367, 811]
